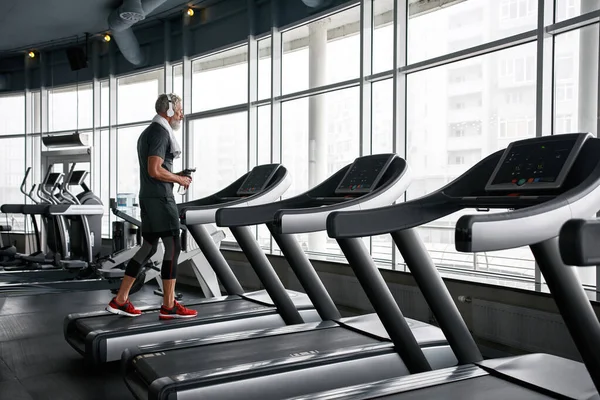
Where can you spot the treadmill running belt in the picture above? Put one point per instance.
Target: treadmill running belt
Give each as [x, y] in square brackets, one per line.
[209, 357]
[112, 322]
[487, 387]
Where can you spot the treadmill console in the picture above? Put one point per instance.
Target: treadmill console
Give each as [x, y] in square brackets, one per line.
[257, 179]
[77, 177]
[52, 179]
[364, 174]
[537, 163]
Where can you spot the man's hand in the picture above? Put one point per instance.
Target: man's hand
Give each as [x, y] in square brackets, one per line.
[184, 181]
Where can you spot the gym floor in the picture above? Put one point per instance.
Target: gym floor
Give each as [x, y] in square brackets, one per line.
[35, 360]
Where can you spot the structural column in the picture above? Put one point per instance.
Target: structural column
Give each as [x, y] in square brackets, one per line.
[317, 118]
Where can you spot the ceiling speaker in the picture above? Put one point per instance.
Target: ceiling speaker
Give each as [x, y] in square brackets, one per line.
[77, 58]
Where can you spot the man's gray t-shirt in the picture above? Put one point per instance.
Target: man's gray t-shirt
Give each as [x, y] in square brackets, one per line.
[154, 141]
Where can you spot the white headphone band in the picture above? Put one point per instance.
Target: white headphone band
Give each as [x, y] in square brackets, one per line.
[170, 110]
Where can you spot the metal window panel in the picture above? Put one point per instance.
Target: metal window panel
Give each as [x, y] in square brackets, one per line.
[574, 23]
[486, 48]
[320, 90]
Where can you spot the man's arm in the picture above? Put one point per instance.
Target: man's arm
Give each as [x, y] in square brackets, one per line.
[156, 171]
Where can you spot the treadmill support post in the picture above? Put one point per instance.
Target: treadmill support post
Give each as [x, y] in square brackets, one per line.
[573, 304]
[384, 304]
[437, 296]
[216, 259]
[307, 275]
[267, 275]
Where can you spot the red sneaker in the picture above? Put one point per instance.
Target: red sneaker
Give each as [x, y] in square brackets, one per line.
[178, 311]
[123, 309]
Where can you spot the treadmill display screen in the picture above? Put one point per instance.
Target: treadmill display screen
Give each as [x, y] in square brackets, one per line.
[52, 178]
[364, 174]
[257, 179]
[77, 177]
[536, 163]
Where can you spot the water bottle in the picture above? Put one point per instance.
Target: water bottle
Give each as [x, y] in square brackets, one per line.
[186, 172]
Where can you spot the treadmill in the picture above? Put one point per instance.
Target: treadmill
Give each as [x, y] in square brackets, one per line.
[102, 337]
[268, 364]
[545, 181]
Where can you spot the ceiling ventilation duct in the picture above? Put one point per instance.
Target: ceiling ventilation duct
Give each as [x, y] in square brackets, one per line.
[122, 19]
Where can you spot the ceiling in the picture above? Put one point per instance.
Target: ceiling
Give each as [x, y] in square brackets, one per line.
[35, 23]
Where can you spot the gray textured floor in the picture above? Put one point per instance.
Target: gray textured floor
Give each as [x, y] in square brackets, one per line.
[35, 360]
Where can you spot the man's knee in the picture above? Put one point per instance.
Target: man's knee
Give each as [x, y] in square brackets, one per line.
[171, 258]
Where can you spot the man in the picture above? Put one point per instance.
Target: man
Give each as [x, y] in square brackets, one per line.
[156, 150]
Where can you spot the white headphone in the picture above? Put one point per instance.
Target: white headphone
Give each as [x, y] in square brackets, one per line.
[170, 111]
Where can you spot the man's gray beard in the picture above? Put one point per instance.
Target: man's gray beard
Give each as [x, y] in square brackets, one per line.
[175, 125]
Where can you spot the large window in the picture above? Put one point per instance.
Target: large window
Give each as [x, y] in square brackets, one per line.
[70, 108]
[451, 126]
[319, 136]
[136, 96]
[220, 80]
[264, 68]
[566, 9]
[12, 165]
[434, 30]
[12, 114]
[576, 81]
[322, 52]
[219, 151]
[383, 35]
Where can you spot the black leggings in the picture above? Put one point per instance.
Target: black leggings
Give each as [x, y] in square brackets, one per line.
[172, 243]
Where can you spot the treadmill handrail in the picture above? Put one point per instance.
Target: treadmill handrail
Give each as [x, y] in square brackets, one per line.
[208, 214]
[392, 218]
[476, 232]
[578, 242]
[315, 219]
[305, 218]
[76, 209]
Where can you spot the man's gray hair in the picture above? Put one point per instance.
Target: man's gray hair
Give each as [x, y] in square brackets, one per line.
[162, 103]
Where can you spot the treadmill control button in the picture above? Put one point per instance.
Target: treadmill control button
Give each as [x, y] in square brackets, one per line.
[521, 181]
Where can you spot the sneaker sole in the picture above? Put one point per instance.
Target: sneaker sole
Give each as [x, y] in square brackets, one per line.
[120, 312]
[176, 316]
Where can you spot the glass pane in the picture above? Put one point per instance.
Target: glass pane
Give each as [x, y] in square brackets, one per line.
[220, 80]
[382, 116]
[332, 119]
[70, 108]
[264, 68]
[335, 44]
[566, 9]
[434, 30]
[455, 117]
[136, 96]
[264, 134]
[576, 81]
[128, 169]
[219, 145]
[178, 80]
[12, 114]
[383, 35]
[12, 165]
[104, 103]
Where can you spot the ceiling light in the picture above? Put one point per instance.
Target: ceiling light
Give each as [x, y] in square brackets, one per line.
[107, 38]
[190, 12]
[31, 54]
